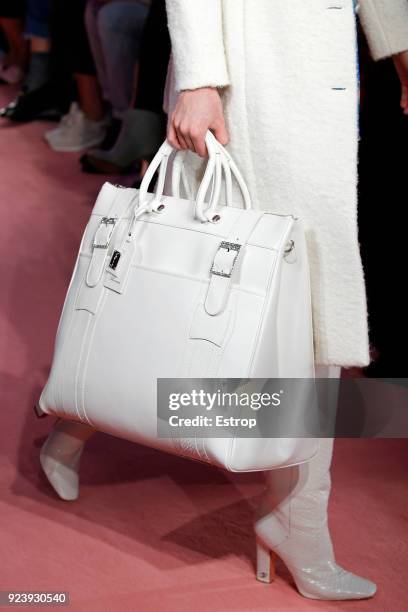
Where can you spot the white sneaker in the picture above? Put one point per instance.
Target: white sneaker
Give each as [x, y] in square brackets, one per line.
[76, 132]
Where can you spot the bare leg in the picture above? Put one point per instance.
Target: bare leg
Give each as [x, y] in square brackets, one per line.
[90, 97]
[60, 456]
[39, 44]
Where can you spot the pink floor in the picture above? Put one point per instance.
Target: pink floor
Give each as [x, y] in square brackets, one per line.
[149, 531]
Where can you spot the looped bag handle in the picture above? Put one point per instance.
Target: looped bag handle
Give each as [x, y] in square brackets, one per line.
[220, 165]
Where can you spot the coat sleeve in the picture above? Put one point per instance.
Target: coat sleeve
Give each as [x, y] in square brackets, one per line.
[196, 32]
[385, 23]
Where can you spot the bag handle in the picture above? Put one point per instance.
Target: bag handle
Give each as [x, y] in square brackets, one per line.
[219, 163]
[179, 177]
[229, 167]
[227, 163]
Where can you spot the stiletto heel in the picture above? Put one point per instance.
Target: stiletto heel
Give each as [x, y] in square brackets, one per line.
[265, 562]
[292, 525]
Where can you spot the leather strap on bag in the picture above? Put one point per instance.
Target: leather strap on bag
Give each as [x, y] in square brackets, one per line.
[225, 261]
[102, 239]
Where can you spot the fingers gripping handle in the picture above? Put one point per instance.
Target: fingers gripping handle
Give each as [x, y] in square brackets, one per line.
[219, 162]
[230, 169]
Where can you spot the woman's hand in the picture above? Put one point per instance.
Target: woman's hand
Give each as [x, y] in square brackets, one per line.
[197, 111]
[401, 64]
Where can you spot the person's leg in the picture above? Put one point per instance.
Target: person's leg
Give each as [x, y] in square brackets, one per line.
[90, 99]
[91, 24]
[37, 31]
[39, 66]
[292, 523]
[83, 65]
[86, 123]
[120, 27]
[144, 127]
[60, 456]
[76, 59]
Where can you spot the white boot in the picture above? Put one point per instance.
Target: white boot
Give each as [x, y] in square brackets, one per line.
[60, 456]
[293, 525]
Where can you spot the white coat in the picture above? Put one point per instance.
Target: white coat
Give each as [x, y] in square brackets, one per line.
[288, 74]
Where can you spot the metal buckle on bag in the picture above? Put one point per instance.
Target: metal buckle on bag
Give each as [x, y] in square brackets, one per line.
[107, 225]
[222, 264]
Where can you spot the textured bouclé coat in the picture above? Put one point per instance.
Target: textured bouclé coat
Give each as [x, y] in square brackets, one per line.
[288, 77]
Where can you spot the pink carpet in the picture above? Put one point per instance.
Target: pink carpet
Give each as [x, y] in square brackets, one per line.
[149, 531]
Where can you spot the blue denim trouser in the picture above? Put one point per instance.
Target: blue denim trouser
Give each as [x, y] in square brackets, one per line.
[38, 18]
[115, 30]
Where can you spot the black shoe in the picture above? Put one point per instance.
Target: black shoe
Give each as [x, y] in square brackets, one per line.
[42, 103]
[107, 144]
[111, 134]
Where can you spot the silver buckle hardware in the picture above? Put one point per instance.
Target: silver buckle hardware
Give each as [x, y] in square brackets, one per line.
[104, 232]
[289, 253]
[225, 258]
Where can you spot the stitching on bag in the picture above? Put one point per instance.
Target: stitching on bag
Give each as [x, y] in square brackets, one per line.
[179, 227]
[222, 236]
[272, 278]
[59, 386]
[203, 443]
[200, 306]
[231, 444]
[217, 356]
[89, 348]
[91, 327]
[78, 367]
[183, 363]
[235, 286]
[200, 441]
[197, 447]
[65, 339]
[235, 293]
[271, 281]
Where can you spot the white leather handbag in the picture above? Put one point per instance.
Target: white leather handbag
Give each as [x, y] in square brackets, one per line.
[167, 287]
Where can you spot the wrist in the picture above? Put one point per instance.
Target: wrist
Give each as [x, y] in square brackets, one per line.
[208, 89]
[401, 54]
